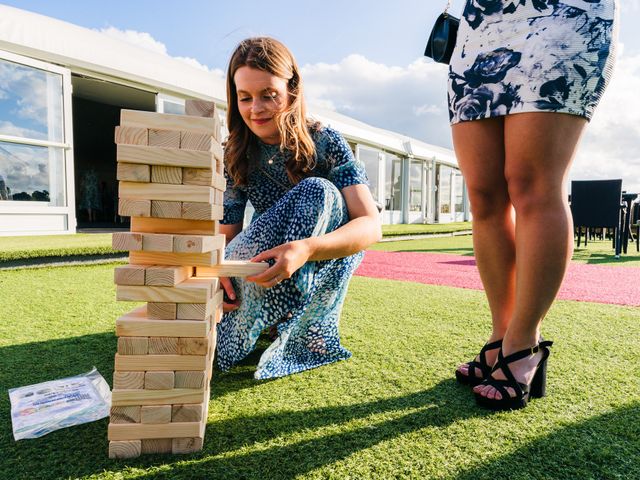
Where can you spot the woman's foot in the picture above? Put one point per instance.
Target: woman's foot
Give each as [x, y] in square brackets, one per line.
[475, 371]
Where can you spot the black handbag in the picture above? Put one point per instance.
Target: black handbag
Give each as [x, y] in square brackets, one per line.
[443, 37]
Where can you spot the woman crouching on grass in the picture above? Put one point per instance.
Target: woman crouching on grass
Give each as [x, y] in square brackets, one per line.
[314, 215]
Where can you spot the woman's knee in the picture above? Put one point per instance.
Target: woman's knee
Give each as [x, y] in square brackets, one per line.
[530, 193]
[488, 203]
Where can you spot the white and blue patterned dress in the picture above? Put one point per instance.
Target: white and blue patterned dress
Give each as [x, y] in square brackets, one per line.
[515, 56]
[306, 308]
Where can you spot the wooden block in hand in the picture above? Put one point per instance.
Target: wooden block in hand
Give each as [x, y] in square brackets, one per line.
[133, 345]
[164, 138]
[186, 445]
[162, 174]
[157, 242]
[157, 445]
[128, 380]
[182, 226]
[167, 275]
[163, 346]
[232, 268]
[127, 448]
[190, 379]
[126, 241]
[162, 310]
[132, 172]
[125, 414]
[164, 209]
[129, 275]
[155, 414]
[134, 208]
[187, 412]
[160, 380]
[197, 243]
[131, 135]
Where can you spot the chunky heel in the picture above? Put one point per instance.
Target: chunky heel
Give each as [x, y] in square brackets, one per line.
[481, 365]
[523, 392]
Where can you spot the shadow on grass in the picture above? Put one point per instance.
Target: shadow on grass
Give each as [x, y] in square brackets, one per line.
[603, 447]
[610, 259]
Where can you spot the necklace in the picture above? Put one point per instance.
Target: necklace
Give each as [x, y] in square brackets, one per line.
[270, 160]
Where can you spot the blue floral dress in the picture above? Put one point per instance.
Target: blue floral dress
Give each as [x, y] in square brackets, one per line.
[516, 56]
[305, 308]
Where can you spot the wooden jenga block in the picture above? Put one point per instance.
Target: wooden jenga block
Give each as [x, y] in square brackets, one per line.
[202, 211]
[161, 191]
[132, 172]
[136, 118]
[155, 414]
[196, 141]
[186, 445]
[164, 138]
[160, 380]
[157, 445]
[129, 275]
[128, 380]
[195, 311]
[131, 135]
[200, 108]
[123, 398]
[141, 431]
[125, 414]
[192, 290]
[161, 328]
[159, 258]
[218, 198]
[163, 346]
[197, 243]
[167, 275]
[187, 412]
[134, 208]
[164, 209]
[160, 225]
[162, 174]
[126, 241]
[190, 379]
[128, 448]
[220, 167]
[156, 242]
[201, 176]
[193, 346]
[132, 346]
[165, 156]
[162, 310]
[233, 268]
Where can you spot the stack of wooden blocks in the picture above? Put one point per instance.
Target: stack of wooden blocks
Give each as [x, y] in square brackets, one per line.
[171, 185]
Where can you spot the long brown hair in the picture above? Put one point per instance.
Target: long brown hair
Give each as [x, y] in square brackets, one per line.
[271, 56]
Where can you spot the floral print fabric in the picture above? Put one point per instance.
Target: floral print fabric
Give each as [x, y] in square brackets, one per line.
[516, 56]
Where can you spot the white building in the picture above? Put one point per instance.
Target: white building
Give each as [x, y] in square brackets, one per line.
[61, 91]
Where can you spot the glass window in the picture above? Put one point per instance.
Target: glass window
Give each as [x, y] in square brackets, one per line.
[30, 103]
[31, 173]
[393, 182]
[444, 192]
[415, 186]
[370, 159]
[459, 192]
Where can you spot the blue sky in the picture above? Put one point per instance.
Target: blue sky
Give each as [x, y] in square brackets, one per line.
[360, 58]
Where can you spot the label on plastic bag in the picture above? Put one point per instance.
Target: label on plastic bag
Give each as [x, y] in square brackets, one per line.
[44, 407]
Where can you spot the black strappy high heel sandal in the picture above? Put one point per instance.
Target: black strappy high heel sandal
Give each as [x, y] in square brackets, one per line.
[524, 392]
[471, 378]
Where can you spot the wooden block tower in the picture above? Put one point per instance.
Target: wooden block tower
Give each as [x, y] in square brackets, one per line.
[171, 185]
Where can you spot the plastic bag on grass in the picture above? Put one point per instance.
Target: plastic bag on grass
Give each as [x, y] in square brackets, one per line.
[44, 407]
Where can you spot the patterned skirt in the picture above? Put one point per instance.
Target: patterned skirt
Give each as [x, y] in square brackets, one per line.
[305, 308]
[515, 56]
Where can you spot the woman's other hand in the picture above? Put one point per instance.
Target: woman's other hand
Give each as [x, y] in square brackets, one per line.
[288, 257]
[230, 300]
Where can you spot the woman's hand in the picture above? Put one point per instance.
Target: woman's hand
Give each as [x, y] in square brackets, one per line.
[289, 257]
[232, 303]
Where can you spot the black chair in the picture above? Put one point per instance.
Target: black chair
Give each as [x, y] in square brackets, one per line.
[598, 203]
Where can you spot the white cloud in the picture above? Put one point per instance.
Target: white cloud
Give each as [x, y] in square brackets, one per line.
[412, 100]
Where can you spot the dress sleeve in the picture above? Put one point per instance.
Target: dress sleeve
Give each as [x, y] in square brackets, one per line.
[235, 201]
[344, 169]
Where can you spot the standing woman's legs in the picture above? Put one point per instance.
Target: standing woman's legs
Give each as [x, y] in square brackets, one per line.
[479, 147]
[539, 148]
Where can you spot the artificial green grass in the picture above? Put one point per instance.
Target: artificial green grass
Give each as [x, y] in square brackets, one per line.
[392, 411]
[596, 252]
[37, 246]
[420, 229]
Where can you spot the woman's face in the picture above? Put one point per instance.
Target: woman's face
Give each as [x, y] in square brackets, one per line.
[261, 96]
